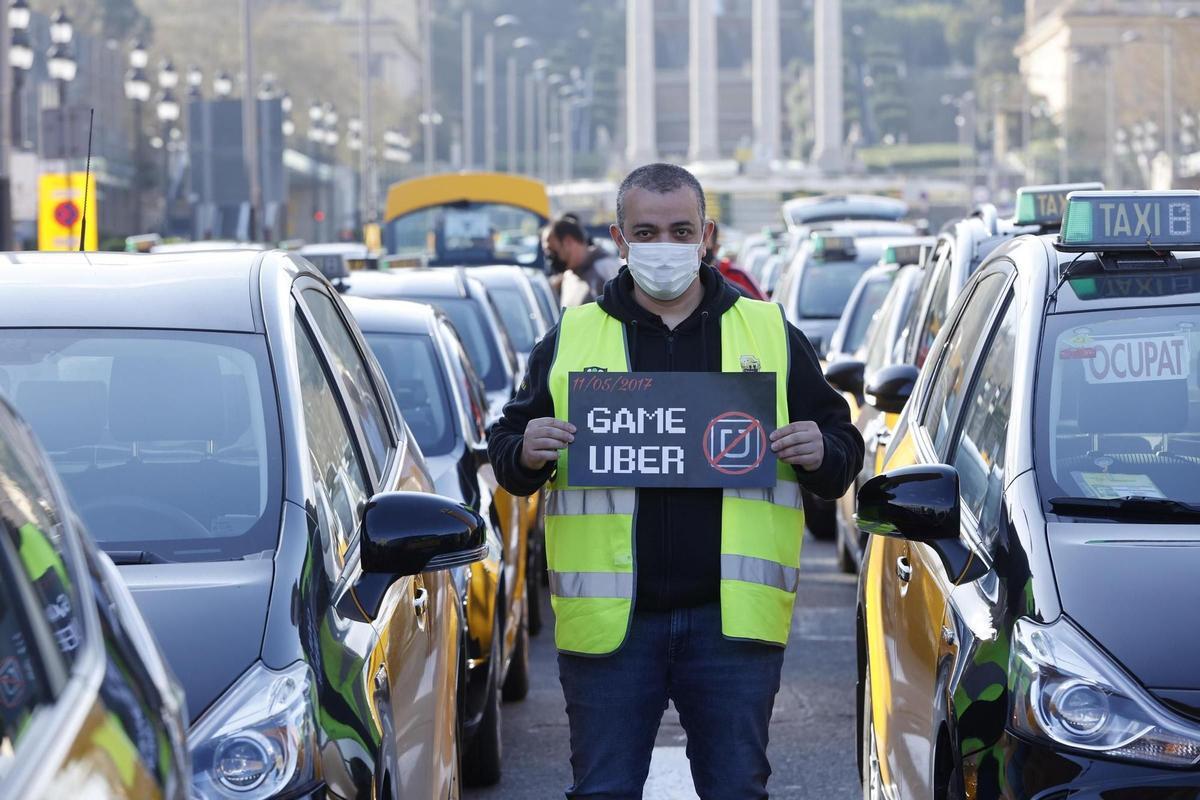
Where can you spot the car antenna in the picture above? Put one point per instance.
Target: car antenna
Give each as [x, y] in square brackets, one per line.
[87, 177]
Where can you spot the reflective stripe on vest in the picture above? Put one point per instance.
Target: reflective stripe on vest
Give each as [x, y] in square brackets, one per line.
[590, 532]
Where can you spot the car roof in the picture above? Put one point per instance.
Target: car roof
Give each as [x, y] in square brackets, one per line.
[391, 316]
[203, 246]
[806, 210]
[867, 227]
[441, 282]
[335, 249]
[176, 291]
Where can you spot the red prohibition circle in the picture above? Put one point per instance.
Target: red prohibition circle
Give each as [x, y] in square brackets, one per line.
[755, 429]
[66, 213]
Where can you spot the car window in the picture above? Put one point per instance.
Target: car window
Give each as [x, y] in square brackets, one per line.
[979, 452]
[468, 319]
[471, 385]
[414, 372]
[339, 479]
[949, 381]
[825, 287]
[867, 308]
[937, 308]
[167, 441]
[364, 402]
[516, 315]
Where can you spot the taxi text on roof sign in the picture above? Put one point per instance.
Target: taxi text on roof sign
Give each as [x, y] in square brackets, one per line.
[824, 245]
[1123, 221]
[1044, 205]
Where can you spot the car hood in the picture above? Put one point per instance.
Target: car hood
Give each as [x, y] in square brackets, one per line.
[1133, 588]
[208, 618]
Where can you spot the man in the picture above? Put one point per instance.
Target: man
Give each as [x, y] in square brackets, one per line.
[673, 594]
[586, 267]
[741, 280]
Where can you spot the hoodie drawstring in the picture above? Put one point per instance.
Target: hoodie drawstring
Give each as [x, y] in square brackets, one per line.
[704, 339]
[632, 348]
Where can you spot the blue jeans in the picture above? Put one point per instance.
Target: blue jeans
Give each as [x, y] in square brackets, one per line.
[723, 690]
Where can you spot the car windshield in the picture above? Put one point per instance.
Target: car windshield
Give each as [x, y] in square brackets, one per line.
[516, 316]
[825, 286]
[1119, 405]
[414, 373]
[468, 233]
[869, 301]
[167, 441]
[469, 320]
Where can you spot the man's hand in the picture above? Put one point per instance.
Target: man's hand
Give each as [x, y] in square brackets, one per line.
[800, 444]
[544, 437]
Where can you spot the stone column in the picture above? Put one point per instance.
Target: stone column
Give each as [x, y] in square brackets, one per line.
[768, 96]
[827, 153]
[702, 81]
[641, 126]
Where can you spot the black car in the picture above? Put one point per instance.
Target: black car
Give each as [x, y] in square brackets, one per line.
[1025, 620]
[86, 698]
[469, 306]
[443, 402]
[225, 433]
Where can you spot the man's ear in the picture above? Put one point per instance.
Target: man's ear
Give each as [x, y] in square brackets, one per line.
[619, 241]
[709, 227]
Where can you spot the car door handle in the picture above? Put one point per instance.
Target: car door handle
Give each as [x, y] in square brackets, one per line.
[420, 601]
[904, 569]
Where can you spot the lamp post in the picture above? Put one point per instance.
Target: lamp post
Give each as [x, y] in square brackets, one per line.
[137, 92]
[167, 110]
[222, 85]
[430, 121]
[519, 45]
[504, 22]
[331, 142]
[316, 138]
[61, 66]
[20, 58]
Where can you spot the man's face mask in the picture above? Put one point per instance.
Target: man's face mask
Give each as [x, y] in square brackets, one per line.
[664, 270]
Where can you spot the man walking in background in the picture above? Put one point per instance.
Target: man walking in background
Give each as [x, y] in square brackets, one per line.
[681, 594]
[586, 267]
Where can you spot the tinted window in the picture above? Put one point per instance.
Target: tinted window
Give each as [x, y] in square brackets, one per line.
[469, 320]
[414, 372]
[1118, 406]
[936, 308]
[979, 455]
[365, 404]
[517, 317]
[869, 301]
[825, 286]
[167, 442]
[339, 480]
[545, 302]
[468, 381]
[954, 360]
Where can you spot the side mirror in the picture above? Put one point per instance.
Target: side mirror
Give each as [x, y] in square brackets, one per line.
[407, 533]
[889, 388]
[846, 376]
[918, 503]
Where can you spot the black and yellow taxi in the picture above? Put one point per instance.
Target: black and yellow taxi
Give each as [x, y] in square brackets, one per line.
[1024, 617]
[88, 706]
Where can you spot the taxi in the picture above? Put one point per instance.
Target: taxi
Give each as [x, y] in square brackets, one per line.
[1023, 620]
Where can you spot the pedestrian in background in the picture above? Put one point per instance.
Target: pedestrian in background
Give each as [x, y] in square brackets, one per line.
[681, 595]
[586, 267]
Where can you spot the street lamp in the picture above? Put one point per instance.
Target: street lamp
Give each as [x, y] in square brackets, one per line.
[195, 80]
[137, 91]
[61, 66]
[167, 110]
[20, 58]
[222, 85]
[502, 23]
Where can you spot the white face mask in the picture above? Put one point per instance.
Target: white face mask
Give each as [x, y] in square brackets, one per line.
[664, 270]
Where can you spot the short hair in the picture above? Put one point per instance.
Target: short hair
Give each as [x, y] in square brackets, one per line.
[566, 228]
[660, 179]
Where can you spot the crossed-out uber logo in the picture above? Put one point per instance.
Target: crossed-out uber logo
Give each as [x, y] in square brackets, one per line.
[735, 443]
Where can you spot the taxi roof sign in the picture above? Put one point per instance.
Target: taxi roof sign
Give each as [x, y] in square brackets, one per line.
[1045, 205]
[903, 254]
[824, 244]
[1131, 221]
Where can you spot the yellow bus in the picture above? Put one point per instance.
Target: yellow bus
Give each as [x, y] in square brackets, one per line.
[463, 219]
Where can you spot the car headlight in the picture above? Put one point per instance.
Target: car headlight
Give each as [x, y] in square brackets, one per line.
[1066, 690]
[259, 739]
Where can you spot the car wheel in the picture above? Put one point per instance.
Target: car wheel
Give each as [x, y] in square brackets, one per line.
[533, 587]
[483, 756]
[872, 782]
[845, 560]
[516, 683]
[821, 517]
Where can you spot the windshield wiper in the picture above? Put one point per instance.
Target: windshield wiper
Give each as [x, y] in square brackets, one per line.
[1134, 506]
[126, 557]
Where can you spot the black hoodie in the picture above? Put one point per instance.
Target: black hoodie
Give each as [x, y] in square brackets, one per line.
[678, 535]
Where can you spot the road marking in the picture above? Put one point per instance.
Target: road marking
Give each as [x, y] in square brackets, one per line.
[670, 775]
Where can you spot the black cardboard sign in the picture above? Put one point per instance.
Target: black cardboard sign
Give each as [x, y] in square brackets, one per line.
[672, 429]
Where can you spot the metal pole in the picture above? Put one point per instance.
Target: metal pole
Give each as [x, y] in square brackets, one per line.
[1169, 96]
[568, 145]
[166, 182]
[529, 167]
[139, 160]
[1110, 122]
[468, 90]
[366, 170]
[489, 101]
[543, 101]
[250, 121]
[427, 81]
[6, 88]
[510, 115]
[316, 189]
[62, 125]
[1027, 132]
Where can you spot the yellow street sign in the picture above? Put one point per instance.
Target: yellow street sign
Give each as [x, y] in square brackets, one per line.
[61, 209]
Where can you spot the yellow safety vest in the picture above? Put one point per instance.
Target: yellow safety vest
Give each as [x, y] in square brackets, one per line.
[590, 532]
